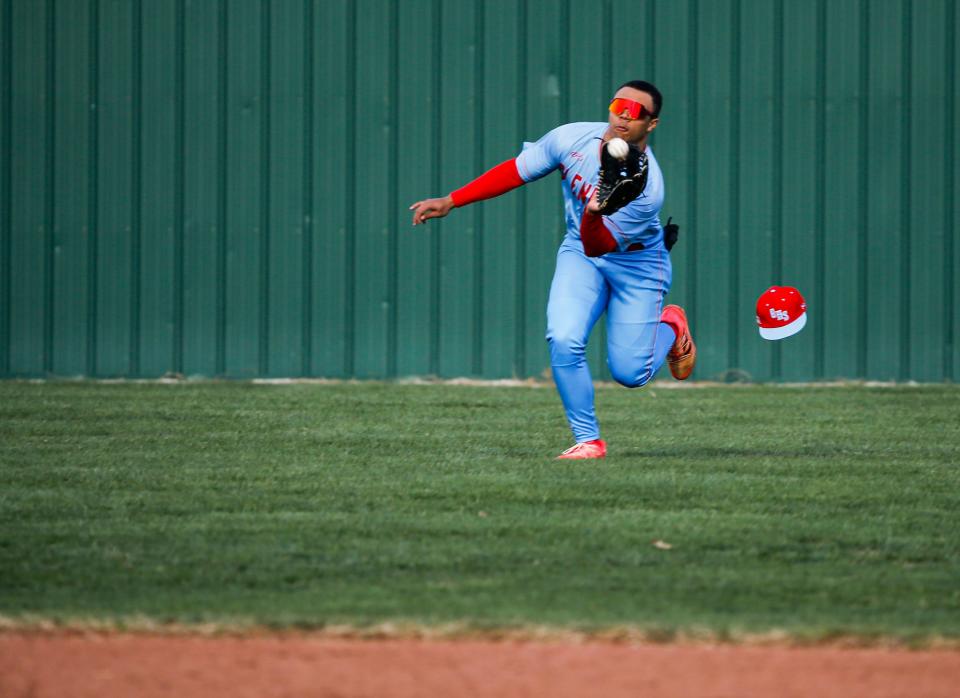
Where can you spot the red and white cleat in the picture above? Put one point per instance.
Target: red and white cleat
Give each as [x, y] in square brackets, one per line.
[683, 354]
[587, 449]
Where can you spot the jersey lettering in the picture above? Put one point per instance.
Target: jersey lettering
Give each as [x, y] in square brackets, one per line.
[586, 191]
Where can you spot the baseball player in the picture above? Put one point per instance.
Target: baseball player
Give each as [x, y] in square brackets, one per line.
[613, 258]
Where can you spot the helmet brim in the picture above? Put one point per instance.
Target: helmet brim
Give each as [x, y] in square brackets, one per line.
[785, 331]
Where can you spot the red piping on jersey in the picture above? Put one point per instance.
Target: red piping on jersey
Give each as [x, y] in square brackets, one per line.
[597, 239]
[494, 182]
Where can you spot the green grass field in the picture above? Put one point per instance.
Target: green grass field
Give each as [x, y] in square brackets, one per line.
[816, 511]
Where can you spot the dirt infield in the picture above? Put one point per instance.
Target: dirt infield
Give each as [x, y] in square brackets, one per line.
[67, 665]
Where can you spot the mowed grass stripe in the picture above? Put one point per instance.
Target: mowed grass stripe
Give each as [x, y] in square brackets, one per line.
[815, 510]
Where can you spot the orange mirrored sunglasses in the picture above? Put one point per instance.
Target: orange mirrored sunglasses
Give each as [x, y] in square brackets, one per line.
[634, 110]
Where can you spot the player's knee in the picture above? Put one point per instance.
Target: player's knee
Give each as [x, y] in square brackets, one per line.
[628, 376]
[565, 347]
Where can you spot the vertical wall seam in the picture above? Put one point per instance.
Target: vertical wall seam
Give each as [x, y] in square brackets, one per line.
[306, 343]
[436, 114]
[820, 195]
[350, 196]
[734, 176]
[520, 270]
[478, 265]
[564, 62]
[50, 163]
[777, 204]
[179, 176]
[905, 190]
[220, 364]
[93, 193]
[692, 119]
[651, 42]
[862, 189]
[949, 140]
[6, 199]
[606, 60]
[393, 195]
[136, 186]
[263, 361]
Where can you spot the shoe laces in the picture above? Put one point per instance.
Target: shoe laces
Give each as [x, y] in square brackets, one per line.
[682, 347]
[582, 446]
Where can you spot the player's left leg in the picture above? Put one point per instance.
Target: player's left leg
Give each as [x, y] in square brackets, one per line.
[578, 296]
[637, 341]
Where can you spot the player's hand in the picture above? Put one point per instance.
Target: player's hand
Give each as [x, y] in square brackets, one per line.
[431, 208]
[592, 205]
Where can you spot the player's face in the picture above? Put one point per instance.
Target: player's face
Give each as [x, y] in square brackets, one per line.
[633, 128]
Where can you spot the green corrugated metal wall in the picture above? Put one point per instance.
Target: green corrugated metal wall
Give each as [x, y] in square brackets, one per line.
[219, 187]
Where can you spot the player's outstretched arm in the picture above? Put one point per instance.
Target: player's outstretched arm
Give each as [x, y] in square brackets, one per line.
[431, 208]
[494, 182]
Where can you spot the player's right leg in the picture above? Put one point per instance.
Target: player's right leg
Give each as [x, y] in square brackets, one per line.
[637, 340]
[578, 296]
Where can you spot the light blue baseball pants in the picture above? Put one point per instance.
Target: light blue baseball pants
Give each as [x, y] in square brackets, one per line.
[630, 287]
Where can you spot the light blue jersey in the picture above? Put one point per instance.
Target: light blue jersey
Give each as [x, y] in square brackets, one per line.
[574, 149]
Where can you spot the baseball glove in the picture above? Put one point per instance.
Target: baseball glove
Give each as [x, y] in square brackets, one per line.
[621, 181]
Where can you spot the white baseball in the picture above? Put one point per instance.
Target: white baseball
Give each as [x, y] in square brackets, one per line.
[618, 148]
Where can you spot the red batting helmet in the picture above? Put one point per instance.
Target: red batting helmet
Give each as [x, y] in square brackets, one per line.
[781, 312]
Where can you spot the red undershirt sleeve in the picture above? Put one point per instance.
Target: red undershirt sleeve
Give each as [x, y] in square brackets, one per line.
[494, 182]
[597, 239]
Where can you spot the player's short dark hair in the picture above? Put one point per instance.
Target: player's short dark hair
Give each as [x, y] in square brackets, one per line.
[650, 89]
